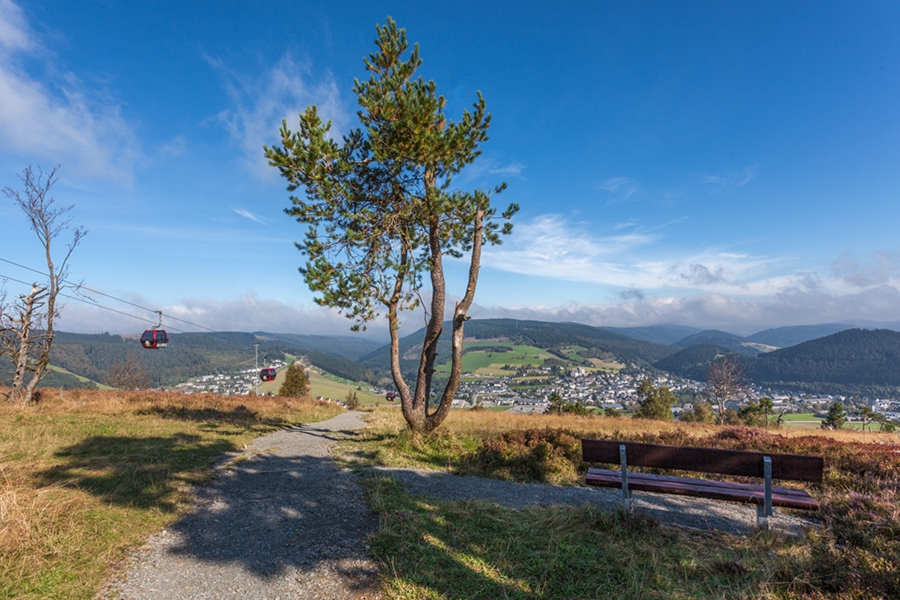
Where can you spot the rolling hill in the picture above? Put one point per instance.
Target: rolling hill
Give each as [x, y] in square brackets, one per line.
[724, 339]
[657, 334]
[598, 342]
[192, 354]
[692, 362]
[853, 357]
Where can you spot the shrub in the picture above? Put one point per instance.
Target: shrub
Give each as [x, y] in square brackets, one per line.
[545, 455]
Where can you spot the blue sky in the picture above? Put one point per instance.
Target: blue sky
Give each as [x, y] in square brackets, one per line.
[715, 164]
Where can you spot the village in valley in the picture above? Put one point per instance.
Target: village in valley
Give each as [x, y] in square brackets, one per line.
[529, 388]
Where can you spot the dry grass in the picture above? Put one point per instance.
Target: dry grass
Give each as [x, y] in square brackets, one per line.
[86, 474]
[483, 424]
[853, 554]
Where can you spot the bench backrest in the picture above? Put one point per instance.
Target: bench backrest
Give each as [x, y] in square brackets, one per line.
[794, 467]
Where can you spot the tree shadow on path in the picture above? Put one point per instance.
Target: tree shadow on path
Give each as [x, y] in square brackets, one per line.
[270, 513]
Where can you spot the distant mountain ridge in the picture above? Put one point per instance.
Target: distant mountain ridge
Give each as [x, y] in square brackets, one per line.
[665, 334]
[783, 337]
[852, 360]
[719, 338]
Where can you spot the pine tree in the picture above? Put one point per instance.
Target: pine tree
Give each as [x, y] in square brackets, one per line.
[656, 402]
[296, 383]
[835, 417]
[382, 216]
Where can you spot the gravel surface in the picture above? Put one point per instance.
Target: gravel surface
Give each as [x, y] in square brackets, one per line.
[280, 521]
[694, 513]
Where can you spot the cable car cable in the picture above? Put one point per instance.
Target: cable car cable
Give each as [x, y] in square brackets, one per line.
[93, 303]
[81, 285]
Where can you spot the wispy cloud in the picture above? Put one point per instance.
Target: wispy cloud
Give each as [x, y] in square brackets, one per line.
[620, 188]
[175, 147]
[260, 103]
[730, 179]
[630, 257]
[57, 118]
[792, 306]
[549, 246]
[247, 312]
[513, 169]
[249, 215]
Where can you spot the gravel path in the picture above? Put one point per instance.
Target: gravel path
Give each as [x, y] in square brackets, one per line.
[281, 521]
[694, 513]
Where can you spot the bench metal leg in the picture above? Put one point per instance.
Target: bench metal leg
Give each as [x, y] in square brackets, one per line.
[764, 510]
[626, 493]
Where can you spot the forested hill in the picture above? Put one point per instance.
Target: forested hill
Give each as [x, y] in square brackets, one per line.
[718, 338]
[665, 334]
[600, 342]
[187, 355]
[855, 356]
[783, 337]
[692, 362]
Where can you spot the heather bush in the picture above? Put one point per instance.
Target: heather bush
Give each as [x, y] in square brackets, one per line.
[547, 455]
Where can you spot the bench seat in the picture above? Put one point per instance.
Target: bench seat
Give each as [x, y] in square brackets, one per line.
[703, 488]
[715, 461]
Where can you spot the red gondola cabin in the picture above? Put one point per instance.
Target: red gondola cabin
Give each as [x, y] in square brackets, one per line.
[267, 374]
[152, 339]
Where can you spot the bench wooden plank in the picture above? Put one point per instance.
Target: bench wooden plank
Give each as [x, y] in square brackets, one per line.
[702, 488]
[794, 467]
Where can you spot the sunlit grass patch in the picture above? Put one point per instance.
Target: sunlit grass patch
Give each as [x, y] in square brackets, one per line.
[470, 549]
[852, 554]
[84, 475]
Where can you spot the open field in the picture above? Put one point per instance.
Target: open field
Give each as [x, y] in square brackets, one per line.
[810, 421]
[84, 475]
[489, 361]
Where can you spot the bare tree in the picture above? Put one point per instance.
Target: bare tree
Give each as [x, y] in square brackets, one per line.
[129, 374]
[26, 327]
[726, 376]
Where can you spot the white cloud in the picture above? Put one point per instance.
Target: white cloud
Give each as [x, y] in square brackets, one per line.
[249, 215]
[513, 169]
[795, 306]
[13, 27]
[628, 257]
[620, 188]
[260, 104]
[57, 118]
[731, 179]
[883, 267]
[175, 147]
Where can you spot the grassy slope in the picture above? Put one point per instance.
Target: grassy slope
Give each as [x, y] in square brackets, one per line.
[85, 475]
[458, 549]
[327, 385]
[100, 386]
[483, 362]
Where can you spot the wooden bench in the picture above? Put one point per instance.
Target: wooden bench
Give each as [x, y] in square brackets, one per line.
[765, 465]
